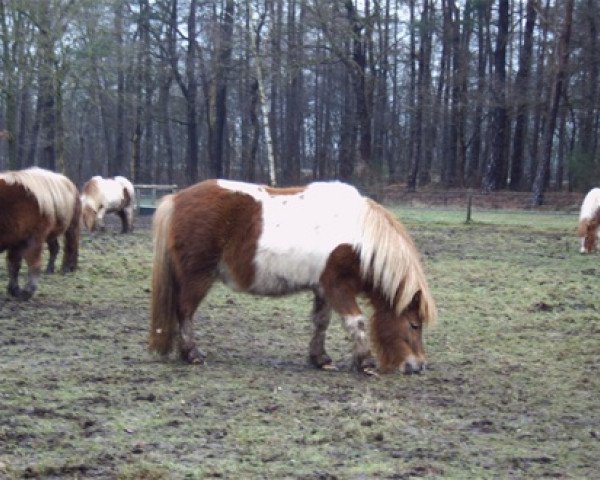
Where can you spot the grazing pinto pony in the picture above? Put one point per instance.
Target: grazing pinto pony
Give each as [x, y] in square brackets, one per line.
[37, 206]
[325, 237]
[589, 221]
[100, 196]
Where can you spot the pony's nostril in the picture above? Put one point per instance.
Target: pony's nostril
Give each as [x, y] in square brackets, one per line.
[408, 369]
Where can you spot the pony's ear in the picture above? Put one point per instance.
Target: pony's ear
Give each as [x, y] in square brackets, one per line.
[415, 303]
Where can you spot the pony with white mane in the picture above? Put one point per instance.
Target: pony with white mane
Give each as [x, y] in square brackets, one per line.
[37, 206]
[324, 237]
[588, 229]
[100, 196]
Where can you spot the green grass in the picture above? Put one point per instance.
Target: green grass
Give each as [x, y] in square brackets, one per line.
[512, 391]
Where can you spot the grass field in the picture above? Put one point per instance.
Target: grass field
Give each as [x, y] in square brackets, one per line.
[512, 390]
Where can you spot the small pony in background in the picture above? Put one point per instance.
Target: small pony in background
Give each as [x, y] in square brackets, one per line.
[100, 196]
[588, 229]
[325, 237]
[37, 206]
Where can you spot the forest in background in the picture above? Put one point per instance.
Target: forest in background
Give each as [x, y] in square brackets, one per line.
[482, 94]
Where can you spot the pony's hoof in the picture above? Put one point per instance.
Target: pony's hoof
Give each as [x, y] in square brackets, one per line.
[193, 356]
[13, 291]
[19, 294]
[329, 367]
[25, 294]
[366, 365]
[322, 361]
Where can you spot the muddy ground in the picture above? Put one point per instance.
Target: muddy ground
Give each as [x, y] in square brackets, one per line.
[512, 390]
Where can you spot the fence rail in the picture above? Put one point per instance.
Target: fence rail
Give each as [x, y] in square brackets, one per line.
[148, 195]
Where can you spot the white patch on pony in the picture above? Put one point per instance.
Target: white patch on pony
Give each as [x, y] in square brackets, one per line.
[300, 232]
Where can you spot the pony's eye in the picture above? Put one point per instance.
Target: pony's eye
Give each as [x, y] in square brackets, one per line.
[415, 326]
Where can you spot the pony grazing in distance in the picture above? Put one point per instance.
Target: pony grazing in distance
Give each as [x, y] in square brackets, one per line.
[589, 221]
[324, 237]
[37, 206]
[100, 196]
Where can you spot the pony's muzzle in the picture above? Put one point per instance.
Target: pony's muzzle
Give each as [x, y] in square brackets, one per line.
[413, 366]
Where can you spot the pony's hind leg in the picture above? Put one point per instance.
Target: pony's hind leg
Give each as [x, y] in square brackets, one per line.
[53, 248]
[190, 297]
[13, 264]
[124, 221]
[321, 316]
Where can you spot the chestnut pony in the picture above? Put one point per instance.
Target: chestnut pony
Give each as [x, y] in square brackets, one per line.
[100, 196]
[37, 206]
[324, 237]
[589, 221]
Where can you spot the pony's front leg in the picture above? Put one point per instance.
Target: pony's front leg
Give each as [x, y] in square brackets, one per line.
[321, 316]
[355, 325]
[100, 219]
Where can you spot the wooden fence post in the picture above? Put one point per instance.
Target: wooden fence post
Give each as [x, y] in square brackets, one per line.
[469, 205]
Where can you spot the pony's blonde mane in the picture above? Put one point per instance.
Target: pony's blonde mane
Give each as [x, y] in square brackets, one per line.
[390, 259]
[55, 193]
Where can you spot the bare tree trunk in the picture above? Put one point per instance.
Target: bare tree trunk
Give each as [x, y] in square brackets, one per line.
[47, 87]
[562, 60]
[521, 92]
[363, 88]
[217, 96]
[255, 43]
[117, 160]
[495, 175]
[474, 168]
[10, 81]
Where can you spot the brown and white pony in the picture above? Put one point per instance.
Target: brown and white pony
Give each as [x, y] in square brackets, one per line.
[100, 196]
[324, 237]
[37, 206]
[589, 221]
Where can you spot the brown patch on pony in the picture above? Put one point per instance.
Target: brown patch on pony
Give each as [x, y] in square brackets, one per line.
[341, 280]
[233, 224]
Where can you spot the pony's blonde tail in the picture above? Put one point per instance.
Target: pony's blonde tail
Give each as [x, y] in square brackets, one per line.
[163, 309]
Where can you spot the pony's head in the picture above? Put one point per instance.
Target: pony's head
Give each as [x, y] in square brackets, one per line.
[88, 215]
[397, 339]
[588, 232]
[90, 199]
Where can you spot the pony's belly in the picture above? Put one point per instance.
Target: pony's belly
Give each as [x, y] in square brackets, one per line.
[281, 273]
